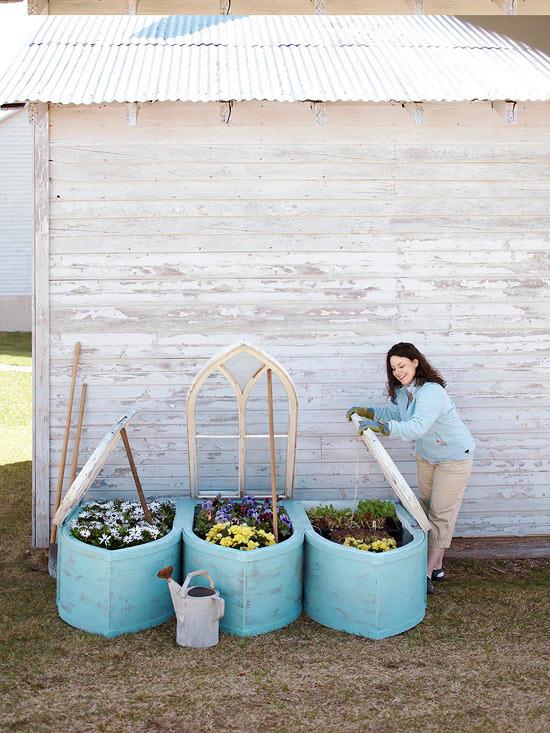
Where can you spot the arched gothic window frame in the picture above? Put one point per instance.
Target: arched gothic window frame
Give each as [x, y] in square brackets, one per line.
[217, 364]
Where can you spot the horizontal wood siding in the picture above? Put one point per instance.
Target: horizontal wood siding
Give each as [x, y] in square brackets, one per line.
[174, 238]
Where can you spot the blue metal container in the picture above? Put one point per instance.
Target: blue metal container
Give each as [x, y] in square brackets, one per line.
[114, 592]
[262, 588]
[365, 593]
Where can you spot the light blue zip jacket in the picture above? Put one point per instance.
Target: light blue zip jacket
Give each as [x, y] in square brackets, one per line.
[431, 419]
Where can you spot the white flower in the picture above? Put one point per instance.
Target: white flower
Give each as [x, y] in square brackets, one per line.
[127, 539]
[104, 539]
[136, 533]
[84, 532]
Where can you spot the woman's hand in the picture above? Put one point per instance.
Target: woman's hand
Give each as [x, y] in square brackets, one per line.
[361, 411]
[374, 425]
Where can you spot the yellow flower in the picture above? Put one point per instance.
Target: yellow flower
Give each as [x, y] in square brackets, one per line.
[226, 541]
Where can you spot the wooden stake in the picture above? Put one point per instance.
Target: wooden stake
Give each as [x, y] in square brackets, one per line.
[76, 447]
[76, 356]
[148, 516]
[272, 453]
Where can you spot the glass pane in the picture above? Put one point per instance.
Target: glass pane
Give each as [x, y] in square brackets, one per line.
[243, 367]
[217, 426]
[218, 465]
[217, 411]
[258, 466]
[257, 408]
[258, 457]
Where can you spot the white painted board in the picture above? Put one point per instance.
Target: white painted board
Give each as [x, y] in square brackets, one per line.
[393, 475]
[91, 469]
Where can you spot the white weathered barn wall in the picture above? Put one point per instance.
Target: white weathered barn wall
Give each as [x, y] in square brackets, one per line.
[15, 222]
[323, 245]
[293, 7]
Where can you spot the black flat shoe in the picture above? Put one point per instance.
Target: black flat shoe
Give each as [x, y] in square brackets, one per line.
[438, 574]
[429, 585]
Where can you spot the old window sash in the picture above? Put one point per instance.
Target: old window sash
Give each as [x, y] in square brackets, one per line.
[218, 364]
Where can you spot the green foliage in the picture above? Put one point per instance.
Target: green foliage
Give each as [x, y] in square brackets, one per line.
[327, 517]
[376, 508]
[370, 514]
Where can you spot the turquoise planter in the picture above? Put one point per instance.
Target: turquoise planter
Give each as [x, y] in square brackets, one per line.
[365, 593]
[114, 592]
[262, 588]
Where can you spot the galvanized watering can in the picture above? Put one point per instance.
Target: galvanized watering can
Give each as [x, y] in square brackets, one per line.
[198, 610]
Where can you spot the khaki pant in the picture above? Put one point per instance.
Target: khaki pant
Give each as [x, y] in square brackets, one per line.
[441, 487]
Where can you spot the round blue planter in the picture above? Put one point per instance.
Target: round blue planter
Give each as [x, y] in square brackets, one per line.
[262, 588]
[113, 592]
[369, 594]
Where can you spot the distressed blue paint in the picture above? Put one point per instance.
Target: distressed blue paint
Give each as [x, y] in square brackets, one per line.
[262, 588]
[365, 593]
[113, 592]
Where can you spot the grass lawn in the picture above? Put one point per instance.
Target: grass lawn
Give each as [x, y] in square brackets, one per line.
[479, 661]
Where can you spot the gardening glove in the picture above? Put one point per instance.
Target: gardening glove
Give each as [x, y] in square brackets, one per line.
[375, 426]
[361, 411]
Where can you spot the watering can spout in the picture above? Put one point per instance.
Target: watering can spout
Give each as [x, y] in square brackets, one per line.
[173, 587]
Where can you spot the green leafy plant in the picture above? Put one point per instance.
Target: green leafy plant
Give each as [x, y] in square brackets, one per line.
[327, 517]
[375, 513]
[372, 515]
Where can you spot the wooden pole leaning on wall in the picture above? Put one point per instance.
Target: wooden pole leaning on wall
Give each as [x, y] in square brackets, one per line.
[76, 356]
[272, 454]
[76, 447]
[147, 513]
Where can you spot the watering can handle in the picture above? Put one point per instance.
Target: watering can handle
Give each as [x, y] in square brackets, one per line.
[194, 575]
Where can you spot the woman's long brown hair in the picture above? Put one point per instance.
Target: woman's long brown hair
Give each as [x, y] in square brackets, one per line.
[424, 371]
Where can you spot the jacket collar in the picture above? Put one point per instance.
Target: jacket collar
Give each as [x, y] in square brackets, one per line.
[412, 389]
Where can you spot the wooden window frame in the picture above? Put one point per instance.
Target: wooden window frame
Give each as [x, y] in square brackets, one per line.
[217, 364]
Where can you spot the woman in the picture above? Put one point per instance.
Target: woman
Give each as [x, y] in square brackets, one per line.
[422, 411]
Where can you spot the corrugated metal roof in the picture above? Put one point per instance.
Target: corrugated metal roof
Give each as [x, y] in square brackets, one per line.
[94, 59]
[271, 30]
